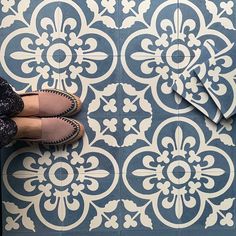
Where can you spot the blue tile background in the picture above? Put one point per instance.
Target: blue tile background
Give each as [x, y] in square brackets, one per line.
[122, 64]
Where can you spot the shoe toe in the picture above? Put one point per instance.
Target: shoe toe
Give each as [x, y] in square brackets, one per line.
[61, 130]
[58, 103]
[78, 105]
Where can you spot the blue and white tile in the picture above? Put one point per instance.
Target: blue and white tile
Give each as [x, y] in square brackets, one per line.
[147, 202]
[97, 24]
[88, 76]
[148, 26]
[157, 74]
[206, 22]
[209, 179]
[149, 178]
[123, 74]
[218, 74]
[27, 19]
[19, 154]
[192, 90]
[30, 72]
[215, 135]
[24, 50]
[153, 145]
[186, 70]
[206, 208]
[96, 82]
[93, 204]
[30, 202]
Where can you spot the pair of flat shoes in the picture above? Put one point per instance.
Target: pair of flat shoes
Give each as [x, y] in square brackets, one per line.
[55, 106]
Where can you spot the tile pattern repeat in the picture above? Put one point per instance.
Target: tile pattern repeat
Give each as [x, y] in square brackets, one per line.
[150, 162]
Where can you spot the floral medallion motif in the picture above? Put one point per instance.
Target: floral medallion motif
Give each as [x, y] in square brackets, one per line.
[181, 173]
[56, 51]
[58, 184]
[166, 49]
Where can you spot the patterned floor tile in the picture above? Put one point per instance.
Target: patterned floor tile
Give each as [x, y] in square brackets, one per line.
[204, 204]
[192, 90]
[17, 155]
[93, 203]
[94, 80]
[96, 26]
[149, 204]
[20, 16]
[157, 74]
[31, 71]
[219, 81]
[146, 26]
[29, 201]
[154, 146]
[149, 163]
[205, 22]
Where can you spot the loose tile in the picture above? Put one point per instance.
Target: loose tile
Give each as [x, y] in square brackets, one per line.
[217, 75]
[192, 90]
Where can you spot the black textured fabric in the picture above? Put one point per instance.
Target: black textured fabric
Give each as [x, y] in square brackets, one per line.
[10, 105]
[10, 102]
[8, 130]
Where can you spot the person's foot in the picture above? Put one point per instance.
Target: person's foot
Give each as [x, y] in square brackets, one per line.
[31, 105]
[50, 131]
[50, 103]
[28, 127]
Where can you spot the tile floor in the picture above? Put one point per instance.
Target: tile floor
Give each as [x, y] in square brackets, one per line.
[150, 163]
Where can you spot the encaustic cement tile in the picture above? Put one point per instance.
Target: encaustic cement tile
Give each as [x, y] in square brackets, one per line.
[197, 174]
[217, 74]
[192, 90]
[21, 19]
[150, 174]
[149, 26]
[92, 23]
[29, 201]
[94, 203]
[205, 207]
[49, 188]
[87, 74]
[19, 155]
[205, 22]
[129, 105]
[150, 203]
[32, 74]
[156, 74]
